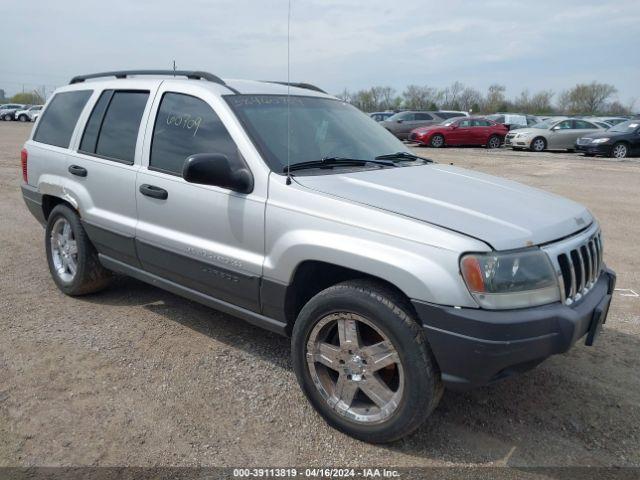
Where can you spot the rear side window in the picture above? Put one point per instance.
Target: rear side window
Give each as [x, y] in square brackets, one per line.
[423, 116]
[60, 118]
[112, 129]
[184, 126]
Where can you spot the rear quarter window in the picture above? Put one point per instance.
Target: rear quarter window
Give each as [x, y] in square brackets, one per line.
[60, 117]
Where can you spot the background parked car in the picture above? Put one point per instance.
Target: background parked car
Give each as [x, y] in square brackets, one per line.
[452, 113]
[610, 120]
[402, 123]
[551, 135]
[619, 141]
[7, 112]
[514, 120]
[380, 116]
[27, 115]
[461, 131]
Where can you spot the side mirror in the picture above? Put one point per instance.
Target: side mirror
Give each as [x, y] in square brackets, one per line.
[454, 125]
[400, 121]
[555, 128]
[217, 170]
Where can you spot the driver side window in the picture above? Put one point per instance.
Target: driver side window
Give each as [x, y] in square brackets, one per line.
[186, 125]
[564, 125]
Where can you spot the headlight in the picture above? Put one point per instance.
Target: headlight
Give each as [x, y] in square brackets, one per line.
[599, 140]
[518, 279]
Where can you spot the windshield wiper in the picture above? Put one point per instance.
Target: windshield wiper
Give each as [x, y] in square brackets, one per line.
[330, 162]
[398, 156]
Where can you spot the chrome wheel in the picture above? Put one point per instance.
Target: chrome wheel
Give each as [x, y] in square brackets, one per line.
[494, 142]
[538, 145]
[355, 367]
[619, 151]
[437, 141]
[64, 250]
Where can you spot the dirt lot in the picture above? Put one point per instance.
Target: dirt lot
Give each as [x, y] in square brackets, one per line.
[137, 376]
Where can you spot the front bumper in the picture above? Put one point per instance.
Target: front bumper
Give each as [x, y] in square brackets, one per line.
[594, 149]
[516, 142]
[475, 347]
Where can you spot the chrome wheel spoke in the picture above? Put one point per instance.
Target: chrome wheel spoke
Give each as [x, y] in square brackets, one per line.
[73, 247]
[348, 333]
[378, 391]
[346, 390]
[380, 355]
[328, 355]
[71, 266]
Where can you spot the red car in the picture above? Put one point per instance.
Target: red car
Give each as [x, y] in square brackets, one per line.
[461, 131]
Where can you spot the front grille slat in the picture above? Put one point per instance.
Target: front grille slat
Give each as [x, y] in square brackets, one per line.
[580, 266]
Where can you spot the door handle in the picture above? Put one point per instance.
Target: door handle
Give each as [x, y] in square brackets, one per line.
[78, 171]
[153, 191]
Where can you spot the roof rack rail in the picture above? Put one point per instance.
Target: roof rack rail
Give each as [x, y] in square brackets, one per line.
[306, 86]
[194, 75]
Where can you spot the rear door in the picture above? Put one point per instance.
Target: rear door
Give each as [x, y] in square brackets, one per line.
[206, 238]
[104, 166]
[479, 131]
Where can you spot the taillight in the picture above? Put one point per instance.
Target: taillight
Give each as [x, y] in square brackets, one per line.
[23, 159]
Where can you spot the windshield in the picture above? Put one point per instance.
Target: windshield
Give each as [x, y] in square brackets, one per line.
[625, 126]
[545, 124]
[319, 128]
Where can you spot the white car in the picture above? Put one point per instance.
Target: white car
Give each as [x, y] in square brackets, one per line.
[29, 114]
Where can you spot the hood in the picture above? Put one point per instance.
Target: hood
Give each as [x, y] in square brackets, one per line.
[427, 128]
[502, 213]
[605, 134]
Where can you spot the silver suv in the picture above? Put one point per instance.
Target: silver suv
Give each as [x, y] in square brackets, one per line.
[394, 276]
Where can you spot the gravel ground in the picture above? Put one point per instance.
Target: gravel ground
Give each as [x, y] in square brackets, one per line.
[138, 376]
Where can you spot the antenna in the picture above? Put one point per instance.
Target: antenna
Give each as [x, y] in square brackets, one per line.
[288, 92]
[174, 68]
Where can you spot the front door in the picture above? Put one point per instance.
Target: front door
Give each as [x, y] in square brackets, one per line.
[560, 135]
[202, 237]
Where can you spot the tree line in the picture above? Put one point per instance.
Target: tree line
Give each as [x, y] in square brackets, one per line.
[586, 98]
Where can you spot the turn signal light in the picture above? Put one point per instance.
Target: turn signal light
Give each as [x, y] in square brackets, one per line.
[472, 273]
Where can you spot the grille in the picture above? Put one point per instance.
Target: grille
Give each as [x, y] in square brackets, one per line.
[580, 268]
[584, 141]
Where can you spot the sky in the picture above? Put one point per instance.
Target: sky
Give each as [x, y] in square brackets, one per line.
[335, 44]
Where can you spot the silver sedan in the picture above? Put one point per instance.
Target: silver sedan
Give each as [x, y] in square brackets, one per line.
[551, 135]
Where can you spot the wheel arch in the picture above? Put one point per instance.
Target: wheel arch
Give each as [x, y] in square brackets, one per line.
[310, 277]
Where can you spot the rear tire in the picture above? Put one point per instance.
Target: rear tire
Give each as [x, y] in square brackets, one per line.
[437, 141]
[494, 141]
[339, 326]
[7, 118]
[72, 258]
[22, 118]
[538, 144]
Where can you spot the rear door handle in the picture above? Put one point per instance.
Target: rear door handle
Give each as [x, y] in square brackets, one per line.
[153, 191]
[77, 170]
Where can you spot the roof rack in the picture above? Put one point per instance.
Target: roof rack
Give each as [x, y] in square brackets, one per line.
[306, 86]
[194, 75]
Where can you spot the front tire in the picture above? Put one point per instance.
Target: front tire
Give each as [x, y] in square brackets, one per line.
[620, 150]
[538, 144]
[72, 258]
[437, 141]
[364, 362]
